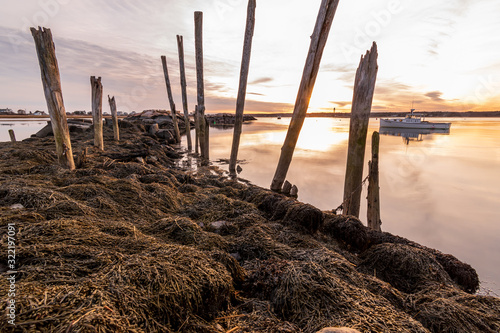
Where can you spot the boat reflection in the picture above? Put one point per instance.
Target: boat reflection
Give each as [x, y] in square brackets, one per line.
[411, 134]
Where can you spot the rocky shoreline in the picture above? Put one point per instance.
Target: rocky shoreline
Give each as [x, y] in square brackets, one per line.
[131, 241]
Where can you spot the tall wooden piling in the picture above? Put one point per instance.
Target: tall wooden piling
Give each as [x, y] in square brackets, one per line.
[240, 102]
[114, 118]
[196, 130]
[12, 135]
[198, 39]
[373, 212]
[51, 80]
[180, 47]
[364, 86]
[171, 100]
[318, 41]
[97, 111]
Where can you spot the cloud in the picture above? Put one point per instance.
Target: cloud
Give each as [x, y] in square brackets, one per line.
[435, 96]
[262, 80]
[340, 104]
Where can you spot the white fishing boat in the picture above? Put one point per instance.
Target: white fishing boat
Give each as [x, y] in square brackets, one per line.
[413, 120]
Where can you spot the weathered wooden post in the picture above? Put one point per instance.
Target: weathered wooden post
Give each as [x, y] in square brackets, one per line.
[364, 86]
[196, 130]
[318, 41]
[171, 100]
[373, 212]
[51, 80]
[207, 135]
[180, 47]
[198, 39]
[97, 111]
[114, 116]
[240, 102]
[12, 135]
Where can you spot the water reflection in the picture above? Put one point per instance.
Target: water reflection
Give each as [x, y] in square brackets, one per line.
[412, 134]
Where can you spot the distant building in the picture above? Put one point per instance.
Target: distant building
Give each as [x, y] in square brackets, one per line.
[105, 113]
[80, 113]
[21, 111]
[6, 111]
[120, 113]
[39, 113]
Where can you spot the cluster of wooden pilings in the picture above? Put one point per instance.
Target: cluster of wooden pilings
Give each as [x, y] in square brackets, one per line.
[361, 107]
[364, 87]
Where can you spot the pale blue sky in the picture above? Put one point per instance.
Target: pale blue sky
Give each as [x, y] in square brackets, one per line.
[442, 55]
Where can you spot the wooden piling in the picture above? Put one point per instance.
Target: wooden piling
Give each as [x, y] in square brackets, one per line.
[180, 47]
[97, 111]
[171, 100]
[318, 41]
[373, 212]
[240, 102]
[207, 135]
[12, 135]
[51, 80]
[364, 87]
[114, 117]
[196, 130]
[198, 38]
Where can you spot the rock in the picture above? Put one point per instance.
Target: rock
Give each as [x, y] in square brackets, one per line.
[16, 206]
[238, 168]
[153, 129]
[338, 330]
[236, 255]
[286, 188]
[294, 192]
[44, 132]
[218, 224]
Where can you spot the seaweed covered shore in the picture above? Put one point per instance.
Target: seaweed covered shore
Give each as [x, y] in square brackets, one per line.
[131, 242]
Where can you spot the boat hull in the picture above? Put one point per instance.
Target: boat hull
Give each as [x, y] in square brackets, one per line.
[400, 123]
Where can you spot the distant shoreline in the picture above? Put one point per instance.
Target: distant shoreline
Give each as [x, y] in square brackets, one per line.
[430, 114]
[436, 114]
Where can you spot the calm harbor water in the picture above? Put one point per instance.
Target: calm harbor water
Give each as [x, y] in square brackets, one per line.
[439, 189]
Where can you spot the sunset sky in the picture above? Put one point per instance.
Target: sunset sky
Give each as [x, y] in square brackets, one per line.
[440, 55]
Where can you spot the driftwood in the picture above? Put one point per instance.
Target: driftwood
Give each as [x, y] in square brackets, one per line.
[114, 117]
[53, 94]
[373, 212]
[240, 101]
[171, 99]
[200, 110]
[364, 87]
[318, 41]
[180, 47]
[97, 111]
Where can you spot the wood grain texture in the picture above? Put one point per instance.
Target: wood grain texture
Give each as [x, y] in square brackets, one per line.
[318, 42]
[51, 81]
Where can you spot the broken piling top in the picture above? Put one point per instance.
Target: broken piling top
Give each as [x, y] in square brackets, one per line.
[364, 87]
[51, 81]
[97, 111]
[318, 42]
[114, 115]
